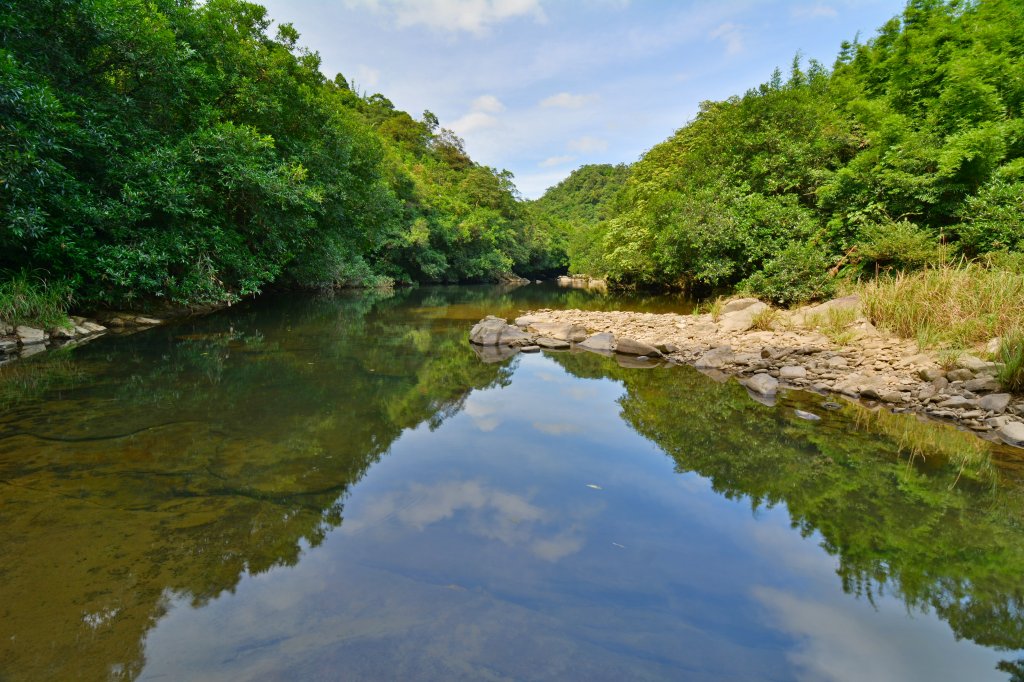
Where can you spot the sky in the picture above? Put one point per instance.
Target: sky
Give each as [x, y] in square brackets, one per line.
[541, 87]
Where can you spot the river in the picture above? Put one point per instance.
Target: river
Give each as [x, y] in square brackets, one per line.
[337, 487]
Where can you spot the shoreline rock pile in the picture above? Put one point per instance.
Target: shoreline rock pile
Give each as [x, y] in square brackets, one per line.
[791, 353]
[22, 341]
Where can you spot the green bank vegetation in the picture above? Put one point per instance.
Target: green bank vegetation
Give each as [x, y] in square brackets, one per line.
[901, 165]
[175, 150]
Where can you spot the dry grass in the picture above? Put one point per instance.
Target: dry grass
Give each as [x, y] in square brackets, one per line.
[949, 306]
[834, 324]
[765, 320]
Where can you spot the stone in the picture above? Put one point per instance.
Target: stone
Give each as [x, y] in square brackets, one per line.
[81, 331]
[994, 402]
[738, 304]
[741, 320]
[992, 347]
[793, 372]
[495, 331]
[930, 373]
[955, 401]
[763, 384]
[30, 335]
[831, 405]
[628, 346]
[972, 363]
[845, 303]
[8, 346]
[530, 349]
[926, 393]
[5, 328]
[93, 327]
[62, 333]
[963, 374]
[667, 348]
[563, 331]
[147, 321]
[716, 358]
[602, 342]
[982, 384]
[809, 416]
[891, 397]
[552, 344]
[32, 349]
[837, 362]
[1012, 433]
[940, 384]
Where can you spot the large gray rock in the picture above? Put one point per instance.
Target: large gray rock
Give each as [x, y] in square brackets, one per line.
[30, 335]
[562, 331]
[603, 342]
[494, 331]
[851, 302]
[738, 304]
[963, 374]
[741, 320]
[982, 385]
[955, 401]
[8, 346]
[716, 358]
[995, 402]
[793, 372]
[633, 347]
[1012, 433]
[975, 364]
[762, 384]
[552, 344]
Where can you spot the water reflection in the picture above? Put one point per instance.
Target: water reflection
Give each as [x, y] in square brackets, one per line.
[174, 502]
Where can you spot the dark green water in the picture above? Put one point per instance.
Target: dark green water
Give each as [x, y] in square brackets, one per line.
[327, 488]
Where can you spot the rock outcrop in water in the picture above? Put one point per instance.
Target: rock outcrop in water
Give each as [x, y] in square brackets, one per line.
[828, 348]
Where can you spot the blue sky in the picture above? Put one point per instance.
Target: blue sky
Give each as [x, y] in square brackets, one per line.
[541, 87]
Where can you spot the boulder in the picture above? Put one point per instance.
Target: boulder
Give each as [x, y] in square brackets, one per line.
[552, 344]
[62, 333]
[30, 335]
[738, 304]
[793, 372]
[955, 401]
[930, 373]
[762, 384]
[994, 402]
[494, 331]
[960, 375]
[667, 348]
[972, 363]
[525, 321]
[147, 321]
[530, 349]
[716, 358]
[851, 302]
[1012, 433]
[982, 385]
[8, 346]
[603, 342]
[741, 320]
[633, 347]
[93, 327]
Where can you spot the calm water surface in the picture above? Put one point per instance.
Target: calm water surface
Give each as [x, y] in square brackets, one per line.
[325, 488]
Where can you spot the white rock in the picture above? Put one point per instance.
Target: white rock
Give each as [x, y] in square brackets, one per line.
[1012, 433]
[764, 384]
[793, 372]
[30, 335]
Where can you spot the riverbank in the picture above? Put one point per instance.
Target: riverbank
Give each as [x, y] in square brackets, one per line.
[22, 341]
[831, 348]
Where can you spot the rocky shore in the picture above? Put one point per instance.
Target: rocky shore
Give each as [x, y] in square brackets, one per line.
[828, 348]
[24, 341]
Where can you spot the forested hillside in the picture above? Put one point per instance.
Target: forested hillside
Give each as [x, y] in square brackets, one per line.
[908, 151]
[175, 150]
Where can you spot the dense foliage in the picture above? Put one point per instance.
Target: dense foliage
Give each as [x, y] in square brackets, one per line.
[173, 149]
[912, 140]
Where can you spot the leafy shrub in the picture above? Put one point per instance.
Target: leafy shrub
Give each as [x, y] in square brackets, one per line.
[798, 274]
[900, 245]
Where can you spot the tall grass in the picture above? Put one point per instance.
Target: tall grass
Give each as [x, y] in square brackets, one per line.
[948, 306]
[25, 299]
[1011, 354]
[834, 324]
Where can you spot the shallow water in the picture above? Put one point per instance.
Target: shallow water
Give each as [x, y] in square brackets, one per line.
[338, 488]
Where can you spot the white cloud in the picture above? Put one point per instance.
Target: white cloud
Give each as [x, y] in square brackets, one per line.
[480, 115]
[566, 100]
[813, 11]
[588, 144]
[471, 16]
[488, 103]
[552, 161]
[729, 33]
